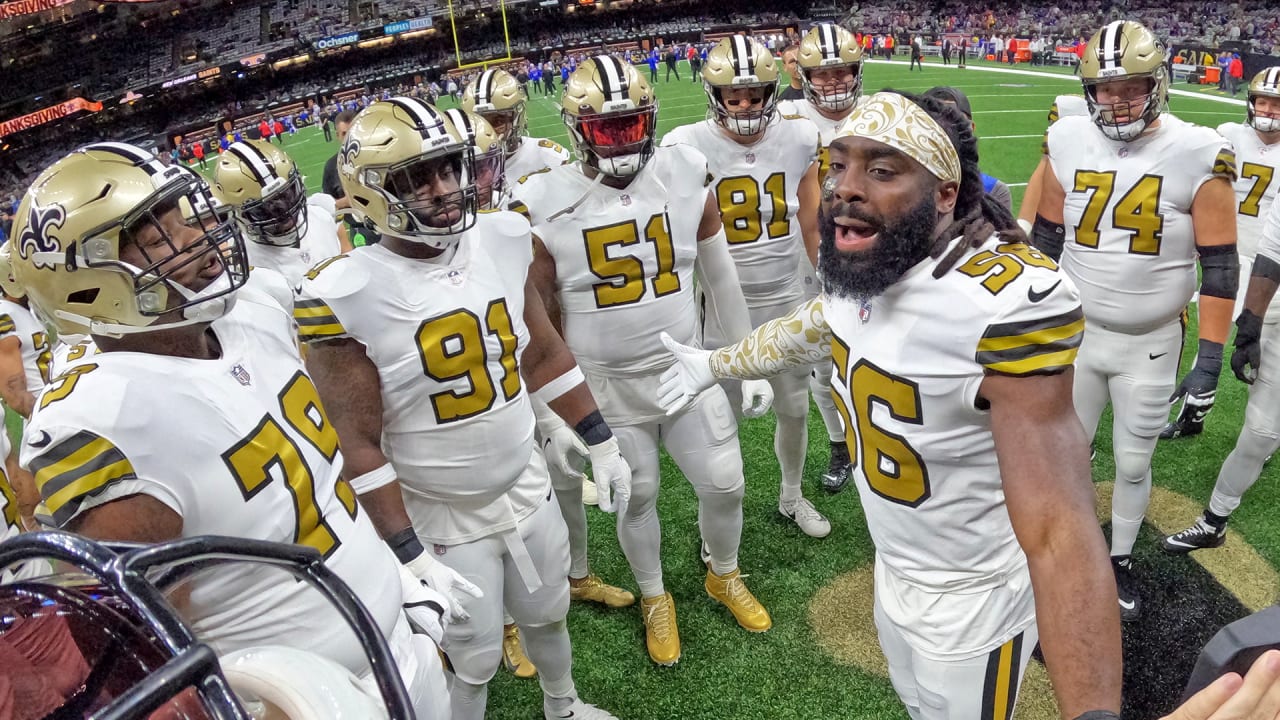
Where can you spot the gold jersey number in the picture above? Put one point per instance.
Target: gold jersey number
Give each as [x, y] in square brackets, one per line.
[624, 274]
[894, 470]
[742, 210]
[452, 347]
[1262, 176]
[1137, 210]
[270, 447]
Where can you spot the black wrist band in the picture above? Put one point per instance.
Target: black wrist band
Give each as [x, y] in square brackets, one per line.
[406, 545]
[593, 429]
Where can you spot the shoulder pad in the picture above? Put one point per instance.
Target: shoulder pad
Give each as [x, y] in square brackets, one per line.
[793, 117]
[1224, 163]
[525, 178]
[506, 223]
[335, 277]
[553, 146]
[267, 285]
[324, 201]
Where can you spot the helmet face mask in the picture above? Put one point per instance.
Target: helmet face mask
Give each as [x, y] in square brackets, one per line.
[1265, 87]
[830, 66]
[109, 241]
[741, 81]
[280, 217]
[410, 172]
[612, 116]
[1118, 60]
[490, 157]
[262, 186]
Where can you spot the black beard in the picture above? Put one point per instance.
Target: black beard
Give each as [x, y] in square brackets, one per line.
[899, 247]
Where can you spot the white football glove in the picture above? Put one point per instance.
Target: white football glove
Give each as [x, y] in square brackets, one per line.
[428, 611]
[612, 475]
[446, 581]
[689, 376]
[565, 451]
[757, 396]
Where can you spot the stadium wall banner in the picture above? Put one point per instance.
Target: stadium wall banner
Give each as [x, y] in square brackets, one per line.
[49, 114]
[18, 8]
[334, 41]
[396, 28]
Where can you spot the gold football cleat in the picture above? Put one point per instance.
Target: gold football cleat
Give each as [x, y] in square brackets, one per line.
[733, 593]
[660, 633]
[513, 657]
[592, 589]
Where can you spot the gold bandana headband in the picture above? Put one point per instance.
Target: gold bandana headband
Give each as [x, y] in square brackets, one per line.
[893, 120]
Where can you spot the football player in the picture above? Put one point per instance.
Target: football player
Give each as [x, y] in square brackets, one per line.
[1256, 360]
[618, 237]
[422, 347]
[1132, 196]
[563, 449]
[1063, 106]
[498, 97]
[1255, 185]
[288, 231]
[196, 417]
[766, 186]
[951, 344]
[830, 66]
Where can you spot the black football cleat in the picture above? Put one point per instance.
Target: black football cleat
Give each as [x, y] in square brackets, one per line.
[839, 469]
[1200, 536]
[1126, 589]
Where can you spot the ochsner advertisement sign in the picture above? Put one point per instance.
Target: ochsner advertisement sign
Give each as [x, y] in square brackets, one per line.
[334, 41]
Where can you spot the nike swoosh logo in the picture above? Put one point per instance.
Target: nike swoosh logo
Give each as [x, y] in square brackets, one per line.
[42, 441]
[1036, 297]
[1128, 605]
[1156, 356]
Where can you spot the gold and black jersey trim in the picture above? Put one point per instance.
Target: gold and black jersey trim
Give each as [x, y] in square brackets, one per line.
[519, 207]
[6, 324]
[316, 321]
[1224, 164]
[1053, 113]
[75, 470]
[1034, 347]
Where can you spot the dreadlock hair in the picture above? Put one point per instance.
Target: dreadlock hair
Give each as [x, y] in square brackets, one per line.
[977, 214]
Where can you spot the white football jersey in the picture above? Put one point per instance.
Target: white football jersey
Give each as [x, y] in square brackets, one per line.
[907, 368]
[624, 258]
[757, 187]
[319, 242]
[17, 321]
[1130, 245]
[237, 446]
[1269, 245]
[533, 155]
[446, 338]
[66, 353]
[1068, 106]
[1256, 186]
[826, 126]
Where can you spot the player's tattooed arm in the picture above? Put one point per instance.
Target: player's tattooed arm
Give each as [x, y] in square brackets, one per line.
[794, 340]
[13, 377]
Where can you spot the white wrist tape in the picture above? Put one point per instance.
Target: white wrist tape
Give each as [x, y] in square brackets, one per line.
[569, 380]
[373, 479]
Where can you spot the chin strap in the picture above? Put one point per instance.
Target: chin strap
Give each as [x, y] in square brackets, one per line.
[599, 178]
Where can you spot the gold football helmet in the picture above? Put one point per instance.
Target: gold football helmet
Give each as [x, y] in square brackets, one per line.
[8, 282]
[263, 187]
[1119, 51]
[829, 46]
[738, 62]
[85, 215]
[612, 116]
[1264, 84]
[409, 172]
[499, 98]
[490, 156]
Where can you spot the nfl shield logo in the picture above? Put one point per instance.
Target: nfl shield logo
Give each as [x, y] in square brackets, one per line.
[626, 200]
[864, 312]
[1123, 152]
[240, 374]
[455, 277]
[440, 549]
[751, 158]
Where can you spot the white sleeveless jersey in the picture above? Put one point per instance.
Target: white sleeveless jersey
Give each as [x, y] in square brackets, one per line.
[907, 368]
[1130, 245]
[757, 188]
[446, 339]
[1256, 185]
[533, 155]
[237, 446]
[319, 242]
[17, 321]
[624, 258]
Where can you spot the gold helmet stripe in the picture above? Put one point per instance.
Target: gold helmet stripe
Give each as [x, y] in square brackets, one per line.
[1109, 47]
[428, 122]
[742, 56]
[253, 158]
[484, 87]
[148, 162]
[613, 80]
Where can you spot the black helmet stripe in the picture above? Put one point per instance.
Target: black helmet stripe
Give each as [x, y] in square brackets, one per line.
[427, 121]
[143, 159]
[254, 159]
